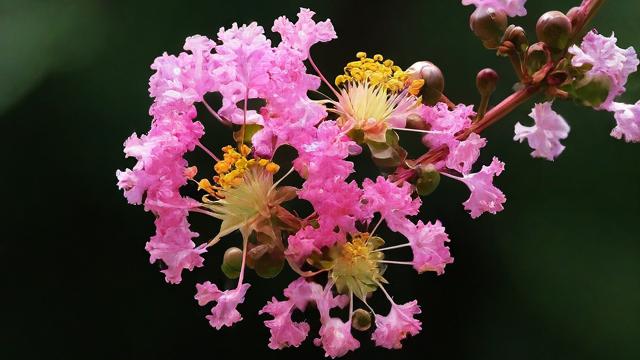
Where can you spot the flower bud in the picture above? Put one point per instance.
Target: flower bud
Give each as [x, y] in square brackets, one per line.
[415, 121]
[554, 29]
[361, 320]
[489, 26]
[431, 91]
[486, 81]
[232, 262]
[428, 179]
[591, 91]
[537, 58]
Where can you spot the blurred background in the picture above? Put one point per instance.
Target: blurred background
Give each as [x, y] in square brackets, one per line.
[554, 276]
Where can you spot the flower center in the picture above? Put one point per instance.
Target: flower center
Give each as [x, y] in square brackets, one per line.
[356, 267]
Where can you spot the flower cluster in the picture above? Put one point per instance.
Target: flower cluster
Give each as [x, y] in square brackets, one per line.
[335, 249]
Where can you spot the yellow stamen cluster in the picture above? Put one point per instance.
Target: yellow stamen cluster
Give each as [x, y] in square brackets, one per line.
[356, 267]
[376, 71]
[230, 170]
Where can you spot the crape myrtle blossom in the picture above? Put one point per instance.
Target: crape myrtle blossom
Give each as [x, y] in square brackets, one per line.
[269, 97]
[510, 7]
[615, 64]
[545, 135]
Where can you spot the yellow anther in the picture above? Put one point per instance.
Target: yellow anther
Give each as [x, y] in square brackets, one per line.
[416, 86]
[221, 167]
[263, 162]
[361, 55]
[272, 167]
[388, 63]
[205, 185]
[378, 57]
[245, 150]
[376, 71]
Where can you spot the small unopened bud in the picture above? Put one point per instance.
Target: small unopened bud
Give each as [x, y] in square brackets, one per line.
[489, 26]
[428, 179]
[232, 262]
[537, 58]
[554, 29]
[517, 36]
[361, 320]
[415, 121]
[431, 91]
[486, 81]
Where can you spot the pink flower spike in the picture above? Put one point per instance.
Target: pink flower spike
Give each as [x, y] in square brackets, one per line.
[305, 32]
[545, 135]
[428, 244]
[393, 328]
[606, 59]
[462, 157]
[335, 338]
[510, 7]
[284, 331]
[224, 313]
[484, 196]
[628, 121]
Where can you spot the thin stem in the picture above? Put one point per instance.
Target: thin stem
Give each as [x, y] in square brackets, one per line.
[482, 108]
[516, 61]
[202, 211]
[588, 10]
[315, 68]
[282, 178]
[392, 247]
[395, 262]
[244, 120]
[385, 292]
[446, 100]
[204, 148]
[369, 306]
[213, 112]
[245, 240]
[377, 225]
[350, 304]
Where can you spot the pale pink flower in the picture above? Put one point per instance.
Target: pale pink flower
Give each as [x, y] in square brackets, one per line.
[465, 153]
[305, 32]
[545, 135]
[393, 328]
[606, 59]
[510, 7]
[428, 244]
[309, 240]
[335, 338]
[484, 196]
[224, 313]
[284, 331]
[393, 202]
[628, 121]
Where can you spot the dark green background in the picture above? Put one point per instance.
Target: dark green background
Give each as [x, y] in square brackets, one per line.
[554, 276]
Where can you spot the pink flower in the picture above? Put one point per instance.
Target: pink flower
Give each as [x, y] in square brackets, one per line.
[224, 313]
[628, 121]
[301, 292]
[465, 153]
[309, 240]
[544, 137]
[393, 328]
[335, 338]
[606, 59]
[284, 331]
[393, 202]
[444, 124]
[510, 7]
[484, 196]
[428, 244]
[305, 32]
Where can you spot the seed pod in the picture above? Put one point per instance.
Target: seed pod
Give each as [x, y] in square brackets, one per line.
[361, 320]
[554, 29]
[428, 180]
[489, 26]
[232, 263]
[431, 91]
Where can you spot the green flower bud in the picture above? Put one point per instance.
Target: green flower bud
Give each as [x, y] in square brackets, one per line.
[431, 91]
[361, 320]
[232, 263]
[591, 91]
[489, 26]
[554, 29]
[428, 179]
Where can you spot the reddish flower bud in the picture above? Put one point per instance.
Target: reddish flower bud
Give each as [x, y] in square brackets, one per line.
[554, 29]
[489, 26]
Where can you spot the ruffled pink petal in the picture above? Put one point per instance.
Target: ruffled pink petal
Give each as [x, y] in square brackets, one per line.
[465, 153]
[336, 339]
[628, 121]
[224, 313]
[428, 244]
[393, 328]
[510, 7]
[284, 331]
[484, 196]
[393, 202]
[545, 135]
[305, 32]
